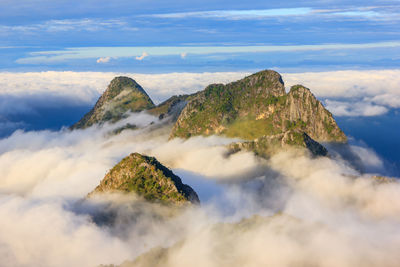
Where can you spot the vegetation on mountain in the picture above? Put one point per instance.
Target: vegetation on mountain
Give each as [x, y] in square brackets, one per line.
[258, 110]
[148, 178]
[256, 106]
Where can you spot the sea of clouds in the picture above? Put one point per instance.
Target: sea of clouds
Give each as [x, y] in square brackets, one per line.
[346, 93]
[316, 211]
[326, 213]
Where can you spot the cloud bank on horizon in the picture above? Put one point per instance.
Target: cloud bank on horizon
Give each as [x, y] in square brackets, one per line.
[345, 93]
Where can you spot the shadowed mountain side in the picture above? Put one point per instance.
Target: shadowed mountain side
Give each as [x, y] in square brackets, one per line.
[266, 146]
[172, 107]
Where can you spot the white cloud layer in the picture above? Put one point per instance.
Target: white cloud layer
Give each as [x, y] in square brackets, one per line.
[349, 93]
[87, 86]
[329, 218]
[352, 93]
[348, 83]
[340, 108]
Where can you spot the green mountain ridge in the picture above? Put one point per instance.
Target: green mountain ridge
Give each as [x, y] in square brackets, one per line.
[255, 106]
[258, 107]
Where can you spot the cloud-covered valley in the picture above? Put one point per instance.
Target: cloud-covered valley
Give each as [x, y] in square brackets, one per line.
[290, 210]
[349, 218]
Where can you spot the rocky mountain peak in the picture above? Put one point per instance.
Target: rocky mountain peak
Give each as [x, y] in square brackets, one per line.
[148, 178]
[258, 106]
[122, 95]
[121, 83]
[268, 81]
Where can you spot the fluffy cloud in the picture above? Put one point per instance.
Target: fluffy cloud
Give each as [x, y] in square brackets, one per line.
[348, 83]
[352, 93]
[389, 99]
[343, 221]
[354, 109]
[144, 54]
[103, 60]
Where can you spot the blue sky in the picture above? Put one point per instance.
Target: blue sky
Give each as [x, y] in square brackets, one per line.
[164, 36]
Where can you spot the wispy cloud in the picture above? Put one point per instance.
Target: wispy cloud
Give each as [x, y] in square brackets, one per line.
[144, 54]
[236, 14]
[84, 24]
[366, 13]
[372, 12]
[126, 52]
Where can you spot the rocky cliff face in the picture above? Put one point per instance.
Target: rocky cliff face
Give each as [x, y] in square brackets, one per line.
[256, 106]
[258, 109]
[146, 177]
[122, 95]
[303, 111]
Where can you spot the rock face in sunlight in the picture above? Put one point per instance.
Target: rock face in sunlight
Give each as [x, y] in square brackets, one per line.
[148, 178]
[122, 95]
[257, 107]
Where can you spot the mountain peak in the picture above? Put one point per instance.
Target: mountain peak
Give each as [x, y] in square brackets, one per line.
[268, 80]
[122, 95]
[148, 178]
[120, 83]
[257, 106]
